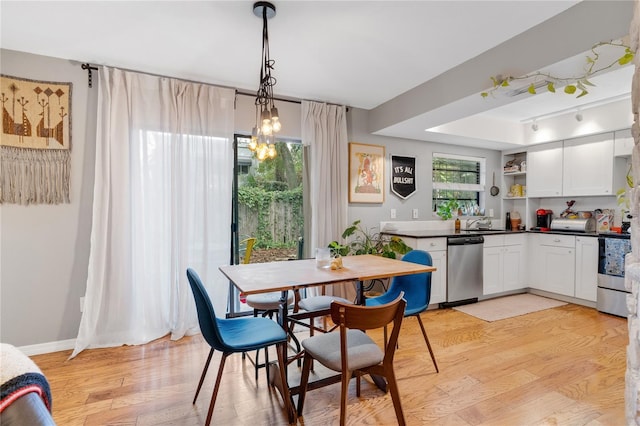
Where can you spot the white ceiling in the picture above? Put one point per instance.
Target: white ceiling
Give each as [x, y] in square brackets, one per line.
[373, 55]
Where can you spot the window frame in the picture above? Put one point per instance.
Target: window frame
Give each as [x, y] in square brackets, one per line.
[479, 188]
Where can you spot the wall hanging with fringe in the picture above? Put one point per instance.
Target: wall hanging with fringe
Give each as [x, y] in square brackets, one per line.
[35, 148]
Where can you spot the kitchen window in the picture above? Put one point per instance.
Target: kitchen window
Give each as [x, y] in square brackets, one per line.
[459, 177]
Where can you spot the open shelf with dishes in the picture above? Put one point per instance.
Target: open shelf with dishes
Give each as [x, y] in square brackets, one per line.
[514, 184]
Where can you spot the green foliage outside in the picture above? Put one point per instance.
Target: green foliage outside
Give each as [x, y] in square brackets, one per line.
[273, 181]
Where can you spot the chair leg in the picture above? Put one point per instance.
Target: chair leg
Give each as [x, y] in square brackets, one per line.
[286, 395]
[304, 379]
[216, 388]
[426, 339]
[266, 364]
[385, 336]
[346, 376]
[204, 373]
[392, 385]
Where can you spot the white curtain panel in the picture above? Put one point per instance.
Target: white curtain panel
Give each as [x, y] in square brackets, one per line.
[324, 130]
[162, 203]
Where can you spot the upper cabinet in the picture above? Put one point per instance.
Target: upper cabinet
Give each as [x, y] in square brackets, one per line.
[623, 144]
[544, 170]
[588, 166]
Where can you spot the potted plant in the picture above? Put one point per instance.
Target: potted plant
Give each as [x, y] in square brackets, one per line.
[624, 202]
[447, 209]
[364, 241]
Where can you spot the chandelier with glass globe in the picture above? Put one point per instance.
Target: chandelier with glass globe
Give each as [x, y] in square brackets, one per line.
[267, 117]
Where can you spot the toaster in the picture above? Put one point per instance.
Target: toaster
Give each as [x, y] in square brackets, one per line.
[573, 225]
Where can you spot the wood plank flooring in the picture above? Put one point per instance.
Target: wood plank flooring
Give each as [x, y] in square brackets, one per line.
[561, 366]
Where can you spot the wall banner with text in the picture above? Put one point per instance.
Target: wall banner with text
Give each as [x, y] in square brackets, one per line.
[403, 178]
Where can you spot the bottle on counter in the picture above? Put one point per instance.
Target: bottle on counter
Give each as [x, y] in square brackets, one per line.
[507, 224]
[457, 225]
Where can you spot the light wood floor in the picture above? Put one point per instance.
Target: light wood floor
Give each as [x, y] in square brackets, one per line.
[562, 366]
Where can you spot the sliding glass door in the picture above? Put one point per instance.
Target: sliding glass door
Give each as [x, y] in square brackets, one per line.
[268, 220]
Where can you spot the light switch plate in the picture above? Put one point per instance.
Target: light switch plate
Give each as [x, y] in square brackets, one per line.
[393, 213]
[415, 213]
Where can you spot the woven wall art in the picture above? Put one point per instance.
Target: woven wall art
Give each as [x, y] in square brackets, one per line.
[35, 148]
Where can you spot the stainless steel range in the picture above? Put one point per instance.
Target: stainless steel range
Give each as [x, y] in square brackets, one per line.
[612, 295]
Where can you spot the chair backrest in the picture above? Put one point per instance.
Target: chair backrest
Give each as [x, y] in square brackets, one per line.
[248, 243]
[206, 315]
[416, 287]
[368, 318]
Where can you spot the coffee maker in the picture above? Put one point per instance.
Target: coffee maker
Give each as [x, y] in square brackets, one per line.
[543, 219]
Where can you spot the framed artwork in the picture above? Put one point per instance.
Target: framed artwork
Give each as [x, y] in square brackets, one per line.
[366, 173]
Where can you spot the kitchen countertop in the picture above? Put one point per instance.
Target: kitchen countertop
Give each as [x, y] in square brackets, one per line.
[431, 233]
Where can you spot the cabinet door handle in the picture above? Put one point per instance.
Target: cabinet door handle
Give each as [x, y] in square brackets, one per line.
[433, 244]
[556, 240]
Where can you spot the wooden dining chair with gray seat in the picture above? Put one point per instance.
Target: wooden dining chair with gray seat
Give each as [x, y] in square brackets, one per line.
[353, 353]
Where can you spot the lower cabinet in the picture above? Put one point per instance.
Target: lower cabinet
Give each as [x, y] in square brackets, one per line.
[503, 263]
[587, 268]
[565, 264]
[437, 248]
[439, 277]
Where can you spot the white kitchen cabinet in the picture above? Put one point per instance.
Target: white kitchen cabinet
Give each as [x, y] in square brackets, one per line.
[586, 268]
[623, 143]
[588, 166]
[503, 263]
[439, 277]
[437, 248]
[544, 170]
[554, 261]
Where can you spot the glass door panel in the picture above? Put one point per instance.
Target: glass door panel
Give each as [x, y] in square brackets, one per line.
[268, 219]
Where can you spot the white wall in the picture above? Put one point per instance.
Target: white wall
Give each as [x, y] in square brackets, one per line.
[372, 214]
[44, 249]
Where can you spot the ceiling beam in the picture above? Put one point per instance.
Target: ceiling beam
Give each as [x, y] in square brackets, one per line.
[565, 35]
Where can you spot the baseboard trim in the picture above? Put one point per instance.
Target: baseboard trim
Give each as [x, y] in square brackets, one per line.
[45, 348]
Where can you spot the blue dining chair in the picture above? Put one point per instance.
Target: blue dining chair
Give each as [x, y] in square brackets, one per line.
[417, 292]
[235, 335]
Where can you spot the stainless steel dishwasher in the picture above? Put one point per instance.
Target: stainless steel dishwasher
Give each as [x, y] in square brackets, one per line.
[464, 270]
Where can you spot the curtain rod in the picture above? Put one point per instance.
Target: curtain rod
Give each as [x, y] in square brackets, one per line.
[253, 95]
[295, 101]
[87, 66]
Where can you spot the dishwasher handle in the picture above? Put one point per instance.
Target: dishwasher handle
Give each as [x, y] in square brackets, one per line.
[467, 240]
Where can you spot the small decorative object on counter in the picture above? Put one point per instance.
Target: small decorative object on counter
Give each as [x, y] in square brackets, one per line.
[507, 224]
[457, 224]
[336, 263]
[569, 213]
[604, 219]
[515, 221]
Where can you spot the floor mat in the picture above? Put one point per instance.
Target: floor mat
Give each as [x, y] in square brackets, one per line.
[508, 306]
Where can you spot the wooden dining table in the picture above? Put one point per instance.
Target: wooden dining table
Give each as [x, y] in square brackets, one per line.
[292, 275]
